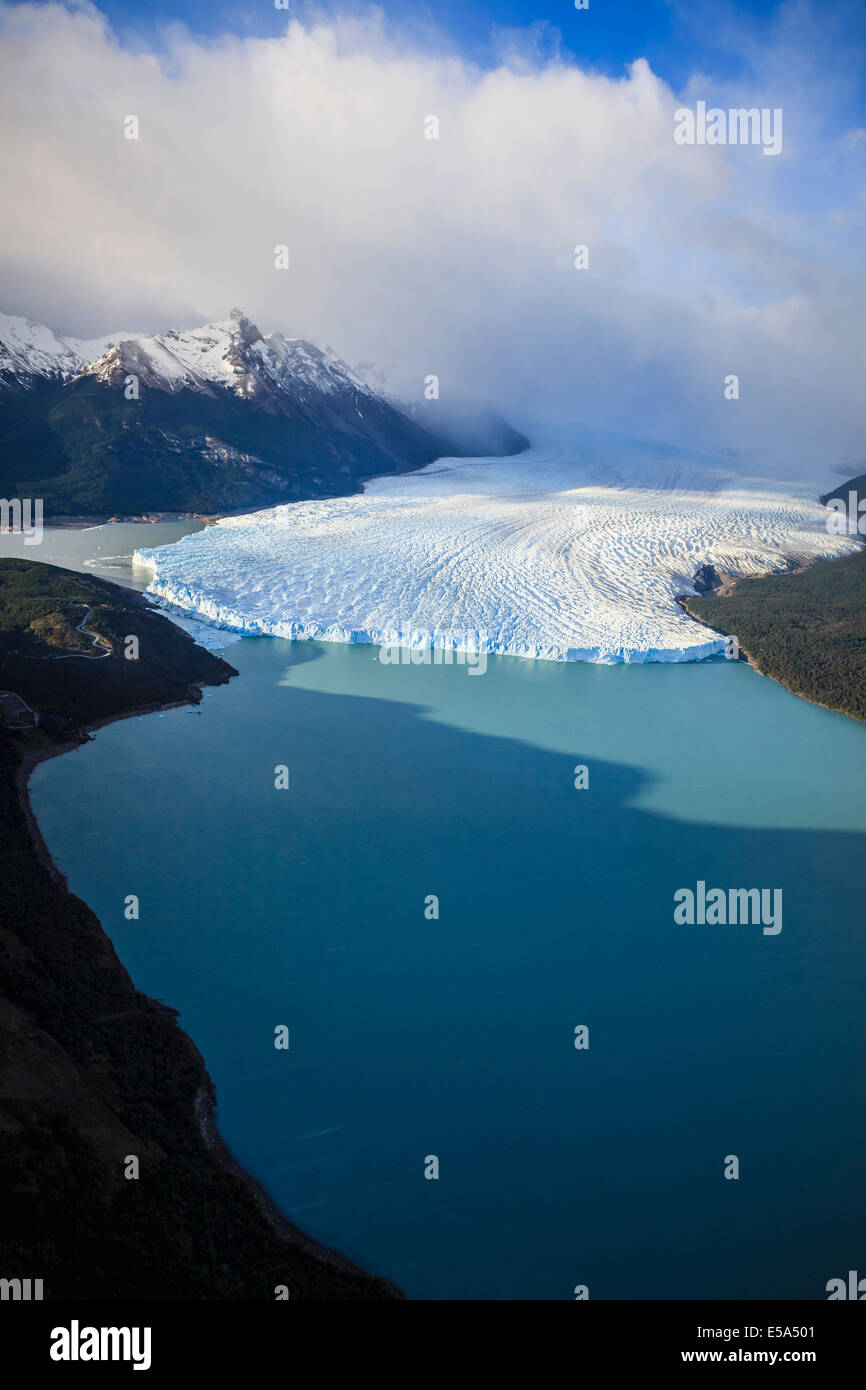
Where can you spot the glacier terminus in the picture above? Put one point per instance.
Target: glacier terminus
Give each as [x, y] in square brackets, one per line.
[548, 554]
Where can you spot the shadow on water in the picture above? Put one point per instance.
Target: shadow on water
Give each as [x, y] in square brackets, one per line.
[455, 1037]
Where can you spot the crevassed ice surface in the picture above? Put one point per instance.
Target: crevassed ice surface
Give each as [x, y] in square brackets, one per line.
[538, 555]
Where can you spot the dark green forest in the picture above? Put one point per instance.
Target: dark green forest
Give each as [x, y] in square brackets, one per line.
[806, 629]
[84, 449]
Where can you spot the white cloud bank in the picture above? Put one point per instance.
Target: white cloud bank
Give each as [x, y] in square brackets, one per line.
[451, 256]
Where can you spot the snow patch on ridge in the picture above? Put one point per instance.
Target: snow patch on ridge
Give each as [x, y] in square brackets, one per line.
[230, 353]
[30, 350]
[541, 555]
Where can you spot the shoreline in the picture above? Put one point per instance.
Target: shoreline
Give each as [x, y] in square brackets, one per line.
[32, 757]
[89, 523]
[205, 1104]
[748, 659]
[727, 588]
[205, 1101]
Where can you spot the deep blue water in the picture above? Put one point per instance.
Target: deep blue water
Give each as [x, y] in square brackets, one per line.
[454, 1037]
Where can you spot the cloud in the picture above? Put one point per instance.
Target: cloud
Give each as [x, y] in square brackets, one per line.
[452, 256]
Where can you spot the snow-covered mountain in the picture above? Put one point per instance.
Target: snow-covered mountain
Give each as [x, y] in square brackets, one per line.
[30, 352]
[230, 354]
[219, 417]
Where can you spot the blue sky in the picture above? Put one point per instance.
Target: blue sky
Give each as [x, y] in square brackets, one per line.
[725, 39]
[678, 37]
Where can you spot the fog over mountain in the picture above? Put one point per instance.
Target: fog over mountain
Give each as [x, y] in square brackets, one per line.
[454, 256]
[211, 419]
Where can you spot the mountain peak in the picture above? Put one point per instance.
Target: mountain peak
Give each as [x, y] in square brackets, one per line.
[29, 351]
[237, 322]
[230, 354]
[227, 418]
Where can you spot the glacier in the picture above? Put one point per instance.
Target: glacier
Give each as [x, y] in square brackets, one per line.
[550, 554]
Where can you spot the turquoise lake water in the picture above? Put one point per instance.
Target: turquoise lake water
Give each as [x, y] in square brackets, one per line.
[455, 1037]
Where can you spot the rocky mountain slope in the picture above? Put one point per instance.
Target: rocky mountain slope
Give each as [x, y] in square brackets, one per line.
[212, 419]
